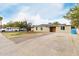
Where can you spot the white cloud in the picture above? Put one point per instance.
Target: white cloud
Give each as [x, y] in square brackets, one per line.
[38, 20]
[23, 14]
[63, 21]
[4, 21]
[57, 9]
[57, 6]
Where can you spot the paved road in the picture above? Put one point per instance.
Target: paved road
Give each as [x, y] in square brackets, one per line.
[52, 44]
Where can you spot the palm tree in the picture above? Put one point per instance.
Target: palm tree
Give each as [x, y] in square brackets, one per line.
[1, 21]
[73, 15]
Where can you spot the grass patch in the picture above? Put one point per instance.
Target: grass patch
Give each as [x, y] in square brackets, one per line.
[11, 35]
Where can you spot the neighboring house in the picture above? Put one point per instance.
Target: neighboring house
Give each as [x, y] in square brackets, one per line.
[51, 28]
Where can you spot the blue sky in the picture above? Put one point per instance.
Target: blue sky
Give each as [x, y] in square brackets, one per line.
[37, 13]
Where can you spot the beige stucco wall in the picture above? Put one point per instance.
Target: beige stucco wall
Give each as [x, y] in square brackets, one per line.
[67, 29]
[58, 29]
[45, 29]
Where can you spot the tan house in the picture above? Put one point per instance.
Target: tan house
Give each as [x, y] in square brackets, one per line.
[52, 28]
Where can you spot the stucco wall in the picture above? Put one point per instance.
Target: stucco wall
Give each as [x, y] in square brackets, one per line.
[58, 29]
[44, 29]
[67, 29]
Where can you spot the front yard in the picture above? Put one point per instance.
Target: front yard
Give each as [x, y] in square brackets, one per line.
[22, 36]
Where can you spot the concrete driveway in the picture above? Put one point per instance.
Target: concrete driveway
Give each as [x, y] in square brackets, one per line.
[5, 45]
[51, 44]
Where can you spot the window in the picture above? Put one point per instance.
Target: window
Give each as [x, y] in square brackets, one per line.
[62, 27]
[41, 28]
[36, 28]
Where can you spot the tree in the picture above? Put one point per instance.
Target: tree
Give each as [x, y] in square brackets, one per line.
[22, 24]
[16, 24]
[73, 15]
[1, 21]
[19, 24]
[1, 18]
[29, 27]
[56, 23]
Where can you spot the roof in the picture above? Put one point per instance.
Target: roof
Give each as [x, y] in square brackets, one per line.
[49, 25]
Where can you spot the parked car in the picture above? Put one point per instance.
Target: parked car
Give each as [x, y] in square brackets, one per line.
[23, 29]
[9, 29]
[3, 30]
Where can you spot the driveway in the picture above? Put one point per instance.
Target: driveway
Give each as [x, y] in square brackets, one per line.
[52, 44]
[48, 45]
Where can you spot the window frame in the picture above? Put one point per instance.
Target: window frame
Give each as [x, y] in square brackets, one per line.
[36, 28]
[41, 28]
[62, 27]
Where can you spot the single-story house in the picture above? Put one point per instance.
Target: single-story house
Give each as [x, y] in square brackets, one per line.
[51, 28]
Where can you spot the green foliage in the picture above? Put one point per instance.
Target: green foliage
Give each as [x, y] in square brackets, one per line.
[56, 23]
[15, 24]
[1, 18]
[75, 23]
[73, 15]
[19, 24]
